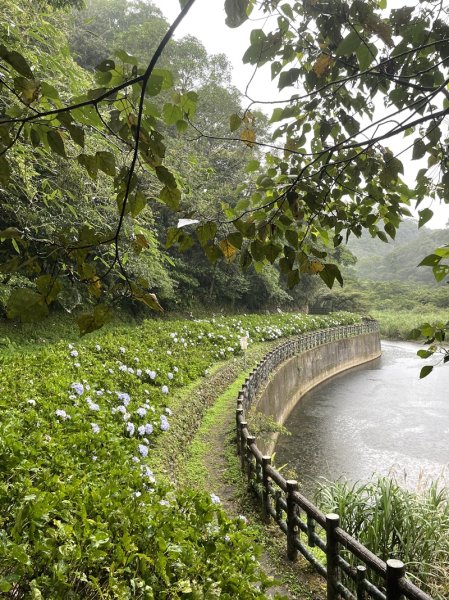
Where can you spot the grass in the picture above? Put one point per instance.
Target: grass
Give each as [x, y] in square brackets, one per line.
[394, 522]
[398, 324]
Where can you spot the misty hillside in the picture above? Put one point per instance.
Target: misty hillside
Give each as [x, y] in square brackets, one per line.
[398, 259]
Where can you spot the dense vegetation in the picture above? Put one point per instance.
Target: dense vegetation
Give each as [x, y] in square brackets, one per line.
[393, 521]
[82, 513]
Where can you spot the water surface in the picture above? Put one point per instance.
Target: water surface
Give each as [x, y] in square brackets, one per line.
[372, 419]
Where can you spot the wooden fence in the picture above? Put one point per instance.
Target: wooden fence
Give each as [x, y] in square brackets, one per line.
[351, 570]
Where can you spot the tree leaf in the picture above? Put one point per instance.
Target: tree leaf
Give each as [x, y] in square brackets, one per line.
[49, 287]
[349, 44]
[166, 177]
[426, 370]
[88, 322]
[419, 149]
[26, 305]
[5, 171]
[171, 113]
[288, 78]
[106, 162]
[56, 142]
[17, 61]
[206, 232]
[229, 251]
[322, 65]
[28, 89]
[236, 12]
[424, 216]
[170, 197]
[248, 136]
[76, 133]
[234, 122]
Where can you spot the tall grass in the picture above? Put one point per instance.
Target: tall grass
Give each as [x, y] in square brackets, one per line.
[394, 522]
[398, 324]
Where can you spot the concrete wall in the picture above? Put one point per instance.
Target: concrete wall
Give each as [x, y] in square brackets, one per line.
[296, 376]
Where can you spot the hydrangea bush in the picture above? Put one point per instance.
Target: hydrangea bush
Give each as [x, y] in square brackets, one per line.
[81, 512]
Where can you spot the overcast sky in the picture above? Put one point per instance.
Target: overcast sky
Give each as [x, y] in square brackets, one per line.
[206, 21]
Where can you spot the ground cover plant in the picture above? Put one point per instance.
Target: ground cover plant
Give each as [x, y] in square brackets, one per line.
[398, 324]
[393, 522]
[81, 512]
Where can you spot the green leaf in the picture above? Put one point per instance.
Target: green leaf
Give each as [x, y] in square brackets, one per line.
[234, 122]
[424, 216]
[170, 197]
[5, 171]
[106, 162]
[90, 163]
[26, 305]
[56, 142]
[154, 85]
[236, 12]
[425, 371]
[167, 78]
[251, 166]
[146, 298]
[166, 177]
[287, 78]
[424, 353]
[28, 89]
[364, 56]
[48, 91]
[206, 232]
[137, 203]
[105, 65]
[419, 149]
[10, 233]
[171, 113]
[349, 44]
[125, 57]
[49, 287]
[17, 61]
[329, 274]
[88, 322]
[76, 133]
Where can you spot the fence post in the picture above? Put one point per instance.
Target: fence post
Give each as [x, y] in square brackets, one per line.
[243, 425]
[266, 461]
[310, 531]
[395, 570]
[332, 522]
[292, 528]
[238, 416]
[361, 576]
[249, 441]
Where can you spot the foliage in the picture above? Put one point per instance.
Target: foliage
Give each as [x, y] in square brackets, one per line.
[336, 176]
[394, 522]
[82, 514]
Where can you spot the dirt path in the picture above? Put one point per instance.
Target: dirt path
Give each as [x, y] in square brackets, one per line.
[201, 453]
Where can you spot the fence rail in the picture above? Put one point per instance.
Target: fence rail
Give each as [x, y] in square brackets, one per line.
[352, 572]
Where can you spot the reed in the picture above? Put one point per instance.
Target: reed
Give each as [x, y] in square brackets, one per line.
[394, 522]
[398, 324]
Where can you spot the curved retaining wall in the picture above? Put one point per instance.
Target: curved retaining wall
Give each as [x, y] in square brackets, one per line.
[303, 371]
[298, 365]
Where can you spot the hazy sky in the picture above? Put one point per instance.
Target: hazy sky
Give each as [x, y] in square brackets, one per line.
[206, 21]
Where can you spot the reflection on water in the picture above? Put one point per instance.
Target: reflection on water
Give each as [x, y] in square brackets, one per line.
[372, 419]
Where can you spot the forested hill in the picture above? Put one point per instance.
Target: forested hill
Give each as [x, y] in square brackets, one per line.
[398, 259]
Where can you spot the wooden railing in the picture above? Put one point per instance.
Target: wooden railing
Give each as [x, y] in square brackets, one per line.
[351, 570]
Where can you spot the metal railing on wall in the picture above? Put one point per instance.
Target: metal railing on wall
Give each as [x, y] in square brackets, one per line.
[350, 569]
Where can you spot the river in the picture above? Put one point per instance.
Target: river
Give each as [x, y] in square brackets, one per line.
[375, 419]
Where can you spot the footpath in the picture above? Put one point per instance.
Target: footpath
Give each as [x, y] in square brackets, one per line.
[199, 452]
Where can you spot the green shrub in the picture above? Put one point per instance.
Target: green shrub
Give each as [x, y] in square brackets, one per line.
[81, 514]
[396, 523]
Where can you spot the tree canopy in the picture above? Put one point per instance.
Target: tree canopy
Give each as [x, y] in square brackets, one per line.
[104, 158]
